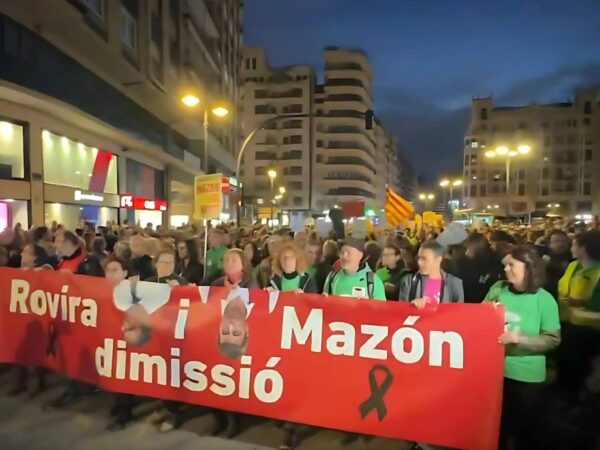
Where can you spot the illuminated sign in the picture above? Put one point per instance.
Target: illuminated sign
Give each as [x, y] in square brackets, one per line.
[82, 196]
[128, 201]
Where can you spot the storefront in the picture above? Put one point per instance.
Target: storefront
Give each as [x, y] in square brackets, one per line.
[145, 211]
[144, 202]
[14, 190]
[80, 182]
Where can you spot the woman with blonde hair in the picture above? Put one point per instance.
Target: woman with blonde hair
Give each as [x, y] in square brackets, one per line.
[289, 271]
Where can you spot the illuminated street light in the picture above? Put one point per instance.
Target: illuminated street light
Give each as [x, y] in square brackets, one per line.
[445, 183]
[422, 196]
[190, 100]
[220, 111]
[508, 154]
[430, 196]
[456, 183]
[281, 190]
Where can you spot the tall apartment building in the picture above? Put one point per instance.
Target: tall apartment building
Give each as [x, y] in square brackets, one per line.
[326, 158]
[555, 177]
[286, 145]
[101, 79]
[345, 151]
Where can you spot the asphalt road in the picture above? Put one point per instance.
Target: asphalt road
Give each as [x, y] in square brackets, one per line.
[25, 425]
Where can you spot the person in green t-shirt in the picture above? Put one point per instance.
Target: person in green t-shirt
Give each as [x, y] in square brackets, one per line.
[214, 255]
[532, 328]
[355, 278]
[289, 271]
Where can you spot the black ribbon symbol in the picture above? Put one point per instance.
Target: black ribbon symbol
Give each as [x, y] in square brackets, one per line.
[378, 391]
[51, 349]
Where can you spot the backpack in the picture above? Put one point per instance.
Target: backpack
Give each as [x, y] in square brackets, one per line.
[370, 283]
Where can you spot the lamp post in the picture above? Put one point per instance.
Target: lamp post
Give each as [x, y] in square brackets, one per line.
[272, 174]
[508, 154]
[217, 110]
[450, 184]
[426, 198]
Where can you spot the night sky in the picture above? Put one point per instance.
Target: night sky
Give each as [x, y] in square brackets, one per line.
[431, 57]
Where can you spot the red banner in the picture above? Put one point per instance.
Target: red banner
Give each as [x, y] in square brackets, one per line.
[382, 368]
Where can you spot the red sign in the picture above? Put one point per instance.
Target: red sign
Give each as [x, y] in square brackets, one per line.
[353, 209]
[382, 368]
[128, 201]
[225, 185]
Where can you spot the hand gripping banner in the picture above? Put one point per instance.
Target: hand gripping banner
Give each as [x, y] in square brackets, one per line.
[382, 368]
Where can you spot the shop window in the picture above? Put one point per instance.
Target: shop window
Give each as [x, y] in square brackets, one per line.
[74, 164]
[71, 215]
[144, 180]
[11, 151]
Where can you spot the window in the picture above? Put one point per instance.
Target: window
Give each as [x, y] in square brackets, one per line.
[484, 114]
[292, 109]
[296, 139]
[474, 144]
[483, 190]
[545, 173]
[558, 173]
[296, 185]
[519, 206]
[95, 6]
[319, 158]
[544, 190]
[587, 155]
[294, 170]
[70, 163]
[473, 191]
[587, 121]
[521, 189]
[129, 31]
[467, 142]
[521, 174]
[587, 108]
[571, 139]
[473, 159]
[253, 63]
[247, 63]
[319, 143]
[495, 189]
[558, 139]
[587, 188]
[497, 176]
[467, 160]
[540, 206]
[11, 151]
[264, 109]
[297, 201]
[261, 170]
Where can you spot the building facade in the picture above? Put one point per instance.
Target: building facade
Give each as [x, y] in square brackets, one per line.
[90, 122]
[555, 176]
[345, 153]
[284, 146]
[327, 156]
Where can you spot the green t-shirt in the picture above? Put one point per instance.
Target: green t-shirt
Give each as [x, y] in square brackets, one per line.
[528, 314]
[383, 274]
[214, 260]
[290, 284]
[353, 285]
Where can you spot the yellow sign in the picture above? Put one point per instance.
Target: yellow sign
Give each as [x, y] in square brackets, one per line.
[267, 212]
[208, 196]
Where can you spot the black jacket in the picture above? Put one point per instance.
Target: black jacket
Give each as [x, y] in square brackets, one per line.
[142, 267]
[478, 275]
[193, 272]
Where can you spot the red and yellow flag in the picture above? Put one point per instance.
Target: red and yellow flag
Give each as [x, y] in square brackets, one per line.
[397, 209]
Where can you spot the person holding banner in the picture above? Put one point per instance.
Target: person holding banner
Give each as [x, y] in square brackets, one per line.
[355, 278]
[289, 274]
[233, 331]
[532, 329]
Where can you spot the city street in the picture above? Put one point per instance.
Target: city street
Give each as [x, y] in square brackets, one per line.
[25, 425]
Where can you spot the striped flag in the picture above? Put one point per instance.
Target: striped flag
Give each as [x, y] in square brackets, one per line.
[397, 209]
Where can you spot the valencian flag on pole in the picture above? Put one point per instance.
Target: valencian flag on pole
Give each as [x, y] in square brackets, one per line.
[397, 209]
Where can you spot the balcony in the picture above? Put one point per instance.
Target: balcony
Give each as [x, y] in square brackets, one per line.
[351, 191]
[290, 93]
[349, 161]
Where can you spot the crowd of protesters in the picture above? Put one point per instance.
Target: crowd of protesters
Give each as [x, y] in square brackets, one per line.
[546, 278]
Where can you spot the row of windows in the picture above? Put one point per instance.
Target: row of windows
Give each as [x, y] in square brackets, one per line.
[565, 156]
[271, 109]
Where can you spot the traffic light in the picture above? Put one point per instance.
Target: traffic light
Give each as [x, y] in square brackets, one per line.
[369, 118]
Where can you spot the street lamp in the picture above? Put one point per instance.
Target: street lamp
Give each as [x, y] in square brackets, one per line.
[191, 100]
[507, 153]
[281, 190]
[450, 184]
[272, 174]
[426, 198]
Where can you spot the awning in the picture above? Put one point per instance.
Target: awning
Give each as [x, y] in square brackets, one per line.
[397, 209]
